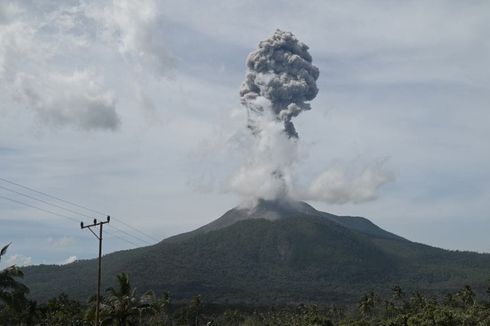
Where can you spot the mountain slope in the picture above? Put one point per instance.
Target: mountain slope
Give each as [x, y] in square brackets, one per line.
[274, 253]
[275, 210]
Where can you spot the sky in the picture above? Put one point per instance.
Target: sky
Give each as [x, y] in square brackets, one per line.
[132, 109]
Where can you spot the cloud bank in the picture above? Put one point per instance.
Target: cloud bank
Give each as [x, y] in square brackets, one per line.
[19, 260]
[55, 58]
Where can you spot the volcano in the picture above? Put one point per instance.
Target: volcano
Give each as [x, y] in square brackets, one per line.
[278, 252]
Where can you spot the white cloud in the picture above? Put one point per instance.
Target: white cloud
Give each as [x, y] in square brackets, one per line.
[76, 99]
[133, 28]
[18, 260]
[59, 60]
[34, 48]
[69, 260]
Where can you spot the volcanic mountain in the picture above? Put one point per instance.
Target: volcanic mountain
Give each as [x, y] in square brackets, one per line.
[274, 253]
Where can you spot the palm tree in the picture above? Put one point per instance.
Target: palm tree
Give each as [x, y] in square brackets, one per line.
[398, 293]
[9, 285]
[120, 306]
[157, 310]
[194, 311]
[467, 296]
[8, 282]
[13, 294]
[61, 311]
[4, 250]
[367, 303]
[488, 289]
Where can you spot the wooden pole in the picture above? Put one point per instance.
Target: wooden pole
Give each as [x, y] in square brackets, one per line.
[99, 263]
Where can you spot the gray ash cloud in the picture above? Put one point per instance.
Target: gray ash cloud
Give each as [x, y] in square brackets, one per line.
[281, 71]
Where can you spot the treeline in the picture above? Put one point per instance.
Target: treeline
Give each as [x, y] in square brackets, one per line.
[121, 305]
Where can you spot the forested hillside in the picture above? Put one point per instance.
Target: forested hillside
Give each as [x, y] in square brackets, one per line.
[294, 255]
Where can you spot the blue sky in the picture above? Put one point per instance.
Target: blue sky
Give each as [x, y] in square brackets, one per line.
[132, 109]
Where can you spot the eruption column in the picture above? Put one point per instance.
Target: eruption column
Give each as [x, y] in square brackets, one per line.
[280, 80]
[281, 73]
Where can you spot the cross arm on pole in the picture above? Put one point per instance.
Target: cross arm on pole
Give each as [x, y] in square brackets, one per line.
[95, 223]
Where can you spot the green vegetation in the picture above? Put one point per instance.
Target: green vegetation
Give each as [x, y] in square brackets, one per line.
[296, 266]
[15, 307]
[307, 259]
[122, 306]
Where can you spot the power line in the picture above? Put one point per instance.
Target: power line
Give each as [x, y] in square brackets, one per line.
[53, 197]
[45, 202]
[121, 238]
[135, 229]
[73, 204]
[129, 234]
[67, 217]
[69, 210]
[39, 208]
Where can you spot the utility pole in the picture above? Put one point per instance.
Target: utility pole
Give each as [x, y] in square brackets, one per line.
[99, 224]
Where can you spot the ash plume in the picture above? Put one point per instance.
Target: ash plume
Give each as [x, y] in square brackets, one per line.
[279, 83]
[280, 80]
[281, 72]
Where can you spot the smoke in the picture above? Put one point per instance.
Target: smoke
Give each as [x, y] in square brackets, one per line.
[279, 71]
[337, 186]
[280, 81]
[267, 171]
[69, 260]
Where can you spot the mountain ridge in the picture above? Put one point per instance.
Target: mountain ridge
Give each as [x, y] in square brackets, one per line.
[273, 210]
[295, 254]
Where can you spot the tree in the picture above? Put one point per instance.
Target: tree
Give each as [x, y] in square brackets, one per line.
[120, 305]
[9, 284]
[61, 311]
[16, 308]
[156, 310]
[466, 295]
[194, 311]
[367, 303]
[488, 290]
[4, 250]
[398, 293]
